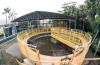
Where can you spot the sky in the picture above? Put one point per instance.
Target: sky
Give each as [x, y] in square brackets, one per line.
[23, 7]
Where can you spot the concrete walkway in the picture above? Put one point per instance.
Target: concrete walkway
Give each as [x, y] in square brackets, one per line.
[11, 47]
[14, 50]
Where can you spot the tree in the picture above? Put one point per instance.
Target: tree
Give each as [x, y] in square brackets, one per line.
[93, 8]
[12, 15]
[79, 12]
[98, 21]
[98, 7]
[82, 10]
[6, 12]
[82, 13]
[9, 14]
[69, 9]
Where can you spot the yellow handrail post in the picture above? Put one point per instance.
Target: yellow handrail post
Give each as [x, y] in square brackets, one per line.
[38, 58]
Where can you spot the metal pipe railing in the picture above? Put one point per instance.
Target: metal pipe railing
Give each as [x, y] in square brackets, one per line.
[73, 35]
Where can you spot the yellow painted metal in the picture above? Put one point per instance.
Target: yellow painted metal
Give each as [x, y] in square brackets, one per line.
[68, 37]
[66, 41]
[92, 59]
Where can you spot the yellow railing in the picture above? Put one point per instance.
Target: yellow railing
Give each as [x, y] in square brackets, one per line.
[73, 36]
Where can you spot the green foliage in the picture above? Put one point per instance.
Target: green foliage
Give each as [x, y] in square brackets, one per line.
[86, 12]
[70, 9]
[97, 23]
[98, 20]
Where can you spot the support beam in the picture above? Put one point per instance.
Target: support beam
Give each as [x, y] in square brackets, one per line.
[92, 59]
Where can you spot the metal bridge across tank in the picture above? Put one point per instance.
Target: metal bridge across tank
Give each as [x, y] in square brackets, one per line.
[76, 39]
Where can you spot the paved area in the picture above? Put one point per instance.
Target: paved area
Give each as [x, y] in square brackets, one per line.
[8, 43]
[14, 50]
[7, 55]
[11, 47]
